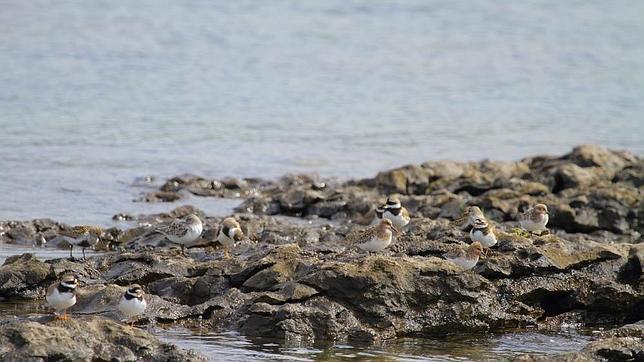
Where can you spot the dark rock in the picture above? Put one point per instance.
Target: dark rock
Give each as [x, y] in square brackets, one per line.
[24, 276]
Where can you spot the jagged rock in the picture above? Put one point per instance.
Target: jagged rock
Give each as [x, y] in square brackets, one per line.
[24, 276]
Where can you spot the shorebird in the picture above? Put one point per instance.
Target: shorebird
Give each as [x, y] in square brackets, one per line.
[465, 258]
[467, 218]
[84, 236]
[535, 218]
[229, 233]
[132, 302]
[484, 233]
[374, 238]
[394, 211]
[39, 240]
[62, 295]
[182, 231]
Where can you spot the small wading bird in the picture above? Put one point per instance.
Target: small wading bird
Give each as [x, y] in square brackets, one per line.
[467, 218]
[374, 238]
[535, 219]
[465, 258]
[132, 303]
[62, 295]
[182, 231]
[229, 233]
[484, 233]
[394, 211]
[84, 236]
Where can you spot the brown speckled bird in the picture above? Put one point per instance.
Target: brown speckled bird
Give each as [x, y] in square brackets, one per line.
[182, 231]
[85, 236]
[535, 218]
[465, 258]
[230, 232]
[373, 238]
[467, 218]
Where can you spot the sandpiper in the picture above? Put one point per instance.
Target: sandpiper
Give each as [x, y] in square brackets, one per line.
[467, 218]
[62, 295]
[374, 238]
[85, 236]
[465, 258]
[182, 231]
[132, 302]
[394, 211]
[229, 233]
[535, 218]
[484, 233]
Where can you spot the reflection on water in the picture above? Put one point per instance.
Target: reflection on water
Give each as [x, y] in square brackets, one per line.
[232, 346]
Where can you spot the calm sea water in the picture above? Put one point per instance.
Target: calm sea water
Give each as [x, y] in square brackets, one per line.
[96, 94]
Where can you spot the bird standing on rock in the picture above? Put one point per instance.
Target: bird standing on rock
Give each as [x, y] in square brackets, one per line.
[535, 218]
[84, 236]
[467, 218]
[465, 258]
[132, 302]
[484, 233]
[229, 233]
[374, 238]
[62, 295]
[182, 231]
[394, 211]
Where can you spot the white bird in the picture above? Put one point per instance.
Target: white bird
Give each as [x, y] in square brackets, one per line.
[484, 233]
[182, 231]
[132, 302]
[62, 295]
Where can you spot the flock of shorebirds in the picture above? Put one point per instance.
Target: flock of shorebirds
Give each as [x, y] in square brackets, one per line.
[388, 221]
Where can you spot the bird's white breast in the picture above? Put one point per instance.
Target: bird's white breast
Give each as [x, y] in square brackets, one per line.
[531, 225]
[194, 231]
[398, 220]
[225, 240]
[132, 307]
[60, 301]
[488, 240]
[375, 243]
[464, 262]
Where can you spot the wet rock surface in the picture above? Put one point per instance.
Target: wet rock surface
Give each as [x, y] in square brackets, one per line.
[294, 276]
[625, 343]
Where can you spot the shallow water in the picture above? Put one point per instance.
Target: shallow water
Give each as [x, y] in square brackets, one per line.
[46, 253]
[231, 346]
[94, 95]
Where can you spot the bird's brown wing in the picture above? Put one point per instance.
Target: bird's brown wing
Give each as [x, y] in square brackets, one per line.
[359, 235]
[454, 252]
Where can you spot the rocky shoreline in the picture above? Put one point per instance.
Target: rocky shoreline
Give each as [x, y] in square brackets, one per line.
[295, 278]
